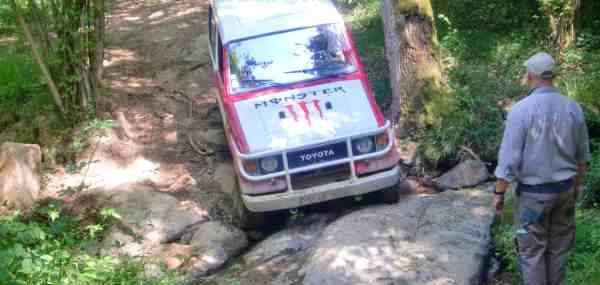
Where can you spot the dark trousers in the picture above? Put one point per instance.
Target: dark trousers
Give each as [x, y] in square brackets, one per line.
[545, 232]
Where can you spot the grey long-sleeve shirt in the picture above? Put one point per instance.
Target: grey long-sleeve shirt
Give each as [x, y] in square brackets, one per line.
[545, 138]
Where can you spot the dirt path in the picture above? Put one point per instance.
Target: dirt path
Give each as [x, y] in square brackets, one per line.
[160, 92]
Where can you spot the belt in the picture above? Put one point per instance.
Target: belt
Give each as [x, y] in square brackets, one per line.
[547, 188]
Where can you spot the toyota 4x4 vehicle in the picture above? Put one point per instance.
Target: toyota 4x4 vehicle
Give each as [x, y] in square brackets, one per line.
[298, 111]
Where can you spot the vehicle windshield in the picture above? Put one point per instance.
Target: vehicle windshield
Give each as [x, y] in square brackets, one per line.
[288, 57]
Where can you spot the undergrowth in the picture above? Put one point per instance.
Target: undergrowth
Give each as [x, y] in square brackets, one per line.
[50, 248]
[584, 261]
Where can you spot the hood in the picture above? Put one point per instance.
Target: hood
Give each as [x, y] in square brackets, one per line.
[305, 115]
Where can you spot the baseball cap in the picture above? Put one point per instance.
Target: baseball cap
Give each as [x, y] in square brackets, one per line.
[542, 65]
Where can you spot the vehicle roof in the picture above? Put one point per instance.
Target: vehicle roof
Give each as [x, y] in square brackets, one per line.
[239, 19]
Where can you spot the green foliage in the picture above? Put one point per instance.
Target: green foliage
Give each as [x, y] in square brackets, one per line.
[93, 128]
[476, 122]
[21, 90]
[367, 30]
[592, 181]
[51, 249]
[584, 262]
[471, 28]
[6, 18]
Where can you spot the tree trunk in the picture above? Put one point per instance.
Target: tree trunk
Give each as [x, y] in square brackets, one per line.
[99, 29]
[565, 22]
[414, 64]
[36, 54]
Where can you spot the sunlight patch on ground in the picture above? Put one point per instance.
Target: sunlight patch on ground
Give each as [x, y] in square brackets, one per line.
[180, 13]
[106, 174]
[119, 55]
[132, 84]
[134, 19]
[170, 136]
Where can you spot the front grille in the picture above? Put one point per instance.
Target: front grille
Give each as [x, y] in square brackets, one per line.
[321, 176]
[318, 154]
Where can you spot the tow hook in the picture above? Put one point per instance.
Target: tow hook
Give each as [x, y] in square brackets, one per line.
[294, 211]
[358, 198]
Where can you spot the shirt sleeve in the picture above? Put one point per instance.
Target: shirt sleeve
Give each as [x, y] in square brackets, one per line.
[510, 155]
[583, 142]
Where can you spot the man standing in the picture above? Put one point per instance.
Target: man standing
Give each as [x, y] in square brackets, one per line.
[545, 149]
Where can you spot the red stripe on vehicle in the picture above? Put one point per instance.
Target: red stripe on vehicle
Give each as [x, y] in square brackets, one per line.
[318, 107]
[291, 110]
[306, 111]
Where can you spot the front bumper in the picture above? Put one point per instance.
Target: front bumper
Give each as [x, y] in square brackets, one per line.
[336, 190]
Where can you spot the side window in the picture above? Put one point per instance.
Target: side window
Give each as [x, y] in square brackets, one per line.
[220, 54]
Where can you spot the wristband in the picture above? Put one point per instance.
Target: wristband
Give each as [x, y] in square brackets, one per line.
[499, 193]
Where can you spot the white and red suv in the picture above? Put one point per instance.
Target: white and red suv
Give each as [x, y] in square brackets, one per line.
[299, 113]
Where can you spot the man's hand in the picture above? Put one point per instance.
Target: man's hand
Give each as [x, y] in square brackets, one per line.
[498, 202]
[581, 172]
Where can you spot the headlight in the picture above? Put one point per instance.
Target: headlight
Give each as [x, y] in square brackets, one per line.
[363, 145]
[269, 164]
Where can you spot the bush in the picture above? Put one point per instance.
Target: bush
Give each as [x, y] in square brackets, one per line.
[366, 25]
[477, 121]
[592, 182]
[50, 249]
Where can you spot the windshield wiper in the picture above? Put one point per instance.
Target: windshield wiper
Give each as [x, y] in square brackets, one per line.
[328, 71]
[267, 83]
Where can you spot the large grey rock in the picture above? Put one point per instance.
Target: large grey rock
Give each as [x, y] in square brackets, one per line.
[215, 243]
[278, 259]
[156, 217]
[19, 174]
[468, 173]
[150, 216]
[424, 240]
[118, 244]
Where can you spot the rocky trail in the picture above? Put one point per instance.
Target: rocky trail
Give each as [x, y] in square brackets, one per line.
[167, 171]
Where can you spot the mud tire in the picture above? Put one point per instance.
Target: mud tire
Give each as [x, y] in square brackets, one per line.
[244, 218]
[390, 195]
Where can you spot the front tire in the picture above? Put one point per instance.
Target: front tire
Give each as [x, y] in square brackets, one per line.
[389, 195]
[246, 219]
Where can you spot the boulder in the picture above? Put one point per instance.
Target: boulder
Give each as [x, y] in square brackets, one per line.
[118, 244]
[215, 243]
[150, 216]
[19, 174]
[277, 259]
[468, 173]
[155, 216]
[424, 239]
